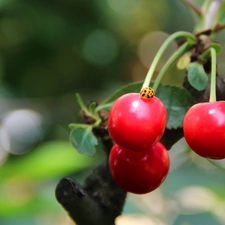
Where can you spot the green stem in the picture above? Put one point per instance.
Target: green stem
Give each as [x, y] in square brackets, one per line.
[84, 108]
[212, 97]
[81, 104]
[75, 125]
[103, 107]
[162, 50]
[84, 126]
[184, 48]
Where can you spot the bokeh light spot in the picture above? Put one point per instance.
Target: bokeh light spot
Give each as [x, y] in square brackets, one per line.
[195, 199]
[21, 129]
[3, 141]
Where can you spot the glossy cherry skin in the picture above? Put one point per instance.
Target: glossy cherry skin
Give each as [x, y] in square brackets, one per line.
[204, 129]
[139, 172]
[136, 123]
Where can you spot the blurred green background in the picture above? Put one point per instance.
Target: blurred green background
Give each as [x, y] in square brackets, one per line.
[49, 50]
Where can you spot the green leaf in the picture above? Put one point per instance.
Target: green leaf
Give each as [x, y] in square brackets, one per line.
[218, 47]
[106, 107]
[81, 103]
[132, 87]
[197, 76]
[207, 53]
[184, 61]
[90, 111]
[191, 41]
[177, 101]
[75, 125]
[83, 140]
[49, 160]
[92, 107]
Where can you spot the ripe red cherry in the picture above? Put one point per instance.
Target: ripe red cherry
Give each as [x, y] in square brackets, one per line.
[204, 129]
[139, 172]
[136, 122]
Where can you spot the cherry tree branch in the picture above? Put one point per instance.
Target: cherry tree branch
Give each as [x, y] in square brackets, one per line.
[100, 200]
[219, 27]
[194, 7]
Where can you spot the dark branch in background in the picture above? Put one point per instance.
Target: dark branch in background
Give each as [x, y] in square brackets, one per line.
[171, 136]
[101, 200]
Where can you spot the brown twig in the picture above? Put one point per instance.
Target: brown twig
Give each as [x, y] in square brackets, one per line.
[219, 27]
[194, 7]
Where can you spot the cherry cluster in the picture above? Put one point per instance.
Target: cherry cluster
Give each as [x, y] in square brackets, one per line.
[139, 163]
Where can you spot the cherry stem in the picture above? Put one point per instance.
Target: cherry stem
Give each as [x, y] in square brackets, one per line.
[162, 50]
[181, 50]
[212, 97]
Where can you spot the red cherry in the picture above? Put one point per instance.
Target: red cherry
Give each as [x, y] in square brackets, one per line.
[204, 129]
[139, 172]
[136, 122]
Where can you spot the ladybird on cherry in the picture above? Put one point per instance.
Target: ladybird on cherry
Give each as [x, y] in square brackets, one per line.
[137, 120]
[147, 93]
